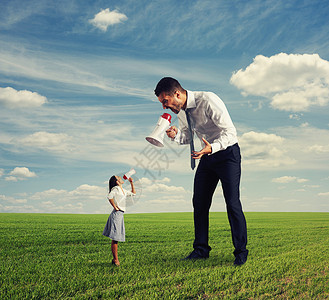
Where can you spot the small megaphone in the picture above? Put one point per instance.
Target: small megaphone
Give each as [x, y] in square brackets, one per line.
[157, 135]
[129, 174]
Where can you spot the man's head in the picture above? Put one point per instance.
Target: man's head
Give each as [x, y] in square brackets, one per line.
[171, 94]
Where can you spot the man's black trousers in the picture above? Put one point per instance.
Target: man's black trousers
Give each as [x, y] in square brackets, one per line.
[225, 166]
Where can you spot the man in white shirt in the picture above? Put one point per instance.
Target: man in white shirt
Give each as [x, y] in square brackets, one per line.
[205, 114]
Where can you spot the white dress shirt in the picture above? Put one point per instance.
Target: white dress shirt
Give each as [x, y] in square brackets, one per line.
[210, 120]
[120, 197]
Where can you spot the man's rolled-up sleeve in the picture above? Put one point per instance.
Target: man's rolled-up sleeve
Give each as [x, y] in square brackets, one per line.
[218, 113]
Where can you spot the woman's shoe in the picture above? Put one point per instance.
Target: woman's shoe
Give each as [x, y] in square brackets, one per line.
[115, 263]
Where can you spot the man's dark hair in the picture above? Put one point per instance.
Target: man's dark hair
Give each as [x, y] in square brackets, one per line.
[112, 182]
[168, 85]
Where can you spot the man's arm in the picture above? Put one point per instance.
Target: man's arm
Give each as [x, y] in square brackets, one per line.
[217, 112]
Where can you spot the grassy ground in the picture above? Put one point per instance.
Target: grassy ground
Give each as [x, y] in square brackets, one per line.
[65, 256]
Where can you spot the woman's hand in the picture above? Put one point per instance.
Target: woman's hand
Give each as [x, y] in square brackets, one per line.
[206, 150]
[132, 185]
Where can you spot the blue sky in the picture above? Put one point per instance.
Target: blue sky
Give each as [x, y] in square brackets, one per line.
[76, 100]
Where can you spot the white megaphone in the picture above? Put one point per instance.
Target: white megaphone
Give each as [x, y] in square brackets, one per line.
[157, 135]
[129, 174]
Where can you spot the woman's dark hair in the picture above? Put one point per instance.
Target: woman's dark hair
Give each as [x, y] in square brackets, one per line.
[112, 182]
[168, 85]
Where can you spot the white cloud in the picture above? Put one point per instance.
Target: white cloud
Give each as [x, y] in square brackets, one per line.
[301, 180]
[284, 179]
[165, 179]
[293, 82]
[147, 182]
[163, 188]
[20, 201]
[312, 186]
[4, 197]
[48, 141]
[159, 186]
[157, 195]
[318, 149]
[20, 173]
[106, 18]
[289, 179]
[50, 194]
[292, 200]
[295, 116]
[166, 201]
[84, 199]
[294, 148]
[323, 194]
[84, 191]
[69, 207]
[307, 145]
[12, 98]
[262, 149]
[12, 200]
[11, 178]
[2, 171]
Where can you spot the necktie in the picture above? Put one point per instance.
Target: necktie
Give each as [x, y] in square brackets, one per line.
[191, 140]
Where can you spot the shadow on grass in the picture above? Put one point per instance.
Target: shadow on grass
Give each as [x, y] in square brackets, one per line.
[172, 262]
[177, 261]
[100, 264]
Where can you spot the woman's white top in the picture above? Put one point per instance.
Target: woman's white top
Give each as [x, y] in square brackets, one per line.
[120, 197]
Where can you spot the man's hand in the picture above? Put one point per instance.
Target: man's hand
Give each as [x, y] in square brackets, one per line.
[206, 150]
[171, 132]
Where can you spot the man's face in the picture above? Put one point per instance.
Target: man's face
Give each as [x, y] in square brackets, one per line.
[171, 102]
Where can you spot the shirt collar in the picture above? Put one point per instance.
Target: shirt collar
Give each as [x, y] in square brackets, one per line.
[190, 100]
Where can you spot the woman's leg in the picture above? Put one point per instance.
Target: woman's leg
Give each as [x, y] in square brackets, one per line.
[114, 248]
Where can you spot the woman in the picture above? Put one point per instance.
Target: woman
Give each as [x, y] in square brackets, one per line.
[115, 227]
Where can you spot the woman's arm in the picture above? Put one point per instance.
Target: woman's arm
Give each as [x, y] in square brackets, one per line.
[113, 204]
[132, 185]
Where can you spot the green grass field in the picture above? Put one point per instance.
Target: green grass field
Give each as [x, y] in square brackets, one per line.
[57, 256]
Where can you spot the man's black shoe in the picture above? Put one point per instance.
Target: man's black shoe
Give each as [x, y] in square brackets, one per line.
[239, 261]
[196, 255]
